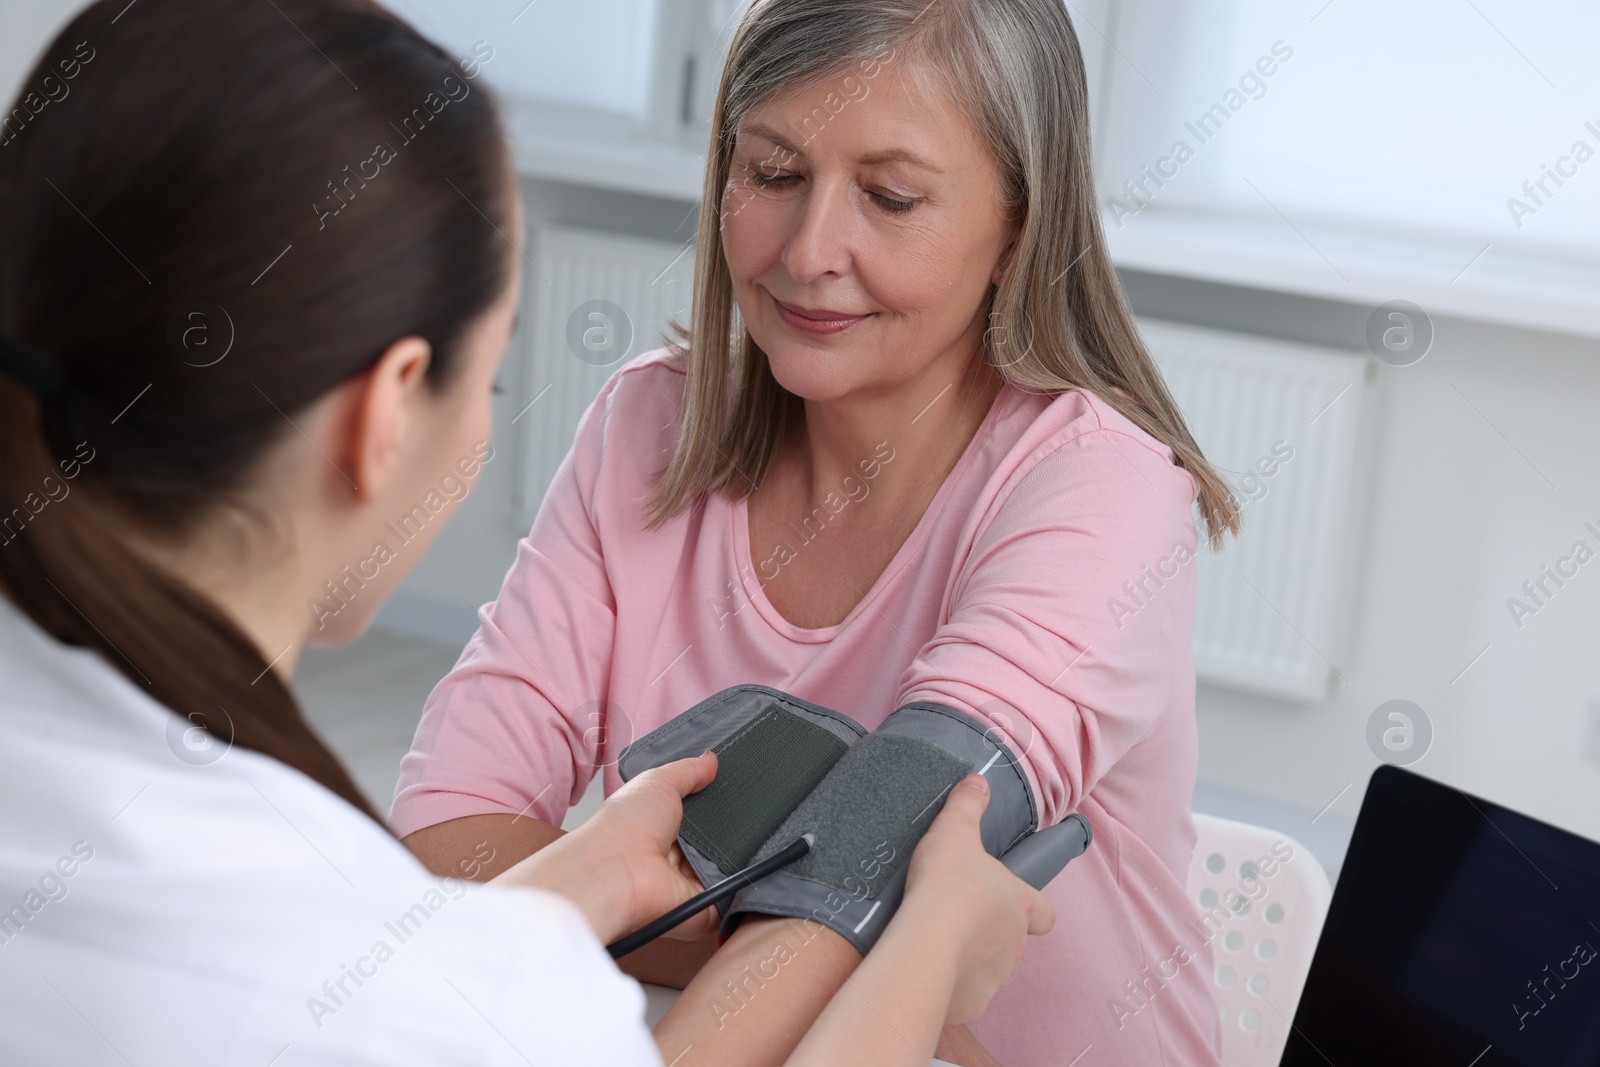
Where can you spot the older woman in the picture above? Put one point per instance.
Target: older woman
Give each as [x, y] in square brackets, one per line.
[913, 449]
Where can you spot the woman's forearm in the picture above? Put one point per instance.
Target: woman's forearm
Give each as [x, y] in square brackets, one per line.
[512, 850]
[892, 1009]
[669, 961]
[753, 1001]
[479, 847]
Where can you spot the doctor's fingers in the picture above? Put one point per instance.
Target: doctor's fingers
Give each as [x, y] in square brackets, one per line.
[1041, 913]
[676, 780]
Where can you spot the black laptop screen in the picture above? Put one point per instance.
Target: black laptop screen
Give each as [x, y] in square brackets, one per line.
[1460, 933]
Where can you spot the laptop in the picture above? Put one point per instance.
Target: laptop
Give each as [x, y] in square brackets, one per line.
[1460, 933]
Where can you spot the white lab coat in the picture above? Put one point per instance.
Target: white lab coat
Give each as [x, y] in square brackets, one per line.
[161, 905]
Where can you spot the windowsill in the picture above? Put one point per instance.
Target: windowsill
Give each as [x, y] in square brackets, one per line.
[1362, 267]
[599, 149]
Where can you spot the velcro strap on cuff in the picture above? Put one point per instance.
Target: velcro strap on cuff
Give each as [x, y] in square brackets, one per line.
[772, 749]
[1012, 813]
[764, 770]
[866, 816]
[871, 810]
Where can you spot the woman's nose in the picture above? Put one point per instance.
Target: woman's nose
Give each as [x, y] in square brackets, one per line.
[820, 241]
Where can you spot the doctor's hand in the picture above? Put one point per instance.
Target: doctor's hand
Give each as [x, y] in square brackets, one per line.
[983, 910]
[623, 867]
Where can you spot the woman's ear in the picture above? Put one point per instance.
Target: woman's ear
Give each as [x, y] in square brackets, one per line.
[1010, 250]
[380, 413]
[1000, 267]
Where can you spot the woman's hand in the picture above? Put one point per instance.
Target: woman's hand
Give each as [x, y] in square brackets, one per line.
[956, 886]
[958, 934]
[623, 866]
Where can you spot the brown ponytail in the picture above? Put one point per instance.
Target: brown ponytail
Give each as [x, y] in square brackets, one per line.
[217, 157]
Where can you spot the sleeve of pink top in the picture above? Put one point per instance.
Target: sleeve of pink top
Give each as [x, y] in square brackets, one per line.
[1034, 645]
[515, 725]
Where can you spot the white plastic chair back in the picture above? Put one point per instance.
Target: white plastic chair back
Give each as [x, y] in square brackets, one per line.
[1263, 896]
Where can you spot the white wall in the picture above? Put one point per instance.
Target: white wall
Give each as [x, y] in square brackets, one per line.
[26, 26]
[1461, 519]
[1462, 515]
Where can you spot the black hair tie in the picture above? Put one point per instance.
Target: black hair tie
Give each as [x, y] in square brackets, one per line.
[32, 368]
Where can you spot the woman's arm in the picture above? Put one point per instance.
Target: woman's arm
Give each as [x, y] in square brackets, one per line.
[759, 1019]
[623, 867]
[478, 847]
[1071, 621]
[754, 1000]
[892, 1009]
[482, 847]
[958, 934]
[779, 981]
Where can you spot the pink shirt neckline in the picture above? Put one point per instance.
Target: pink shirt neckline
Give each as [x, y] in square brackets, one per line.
[738, 519]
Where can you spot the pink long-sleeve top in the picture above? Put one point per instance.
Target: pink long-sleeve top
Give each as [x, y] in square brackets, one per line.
[1049, 589]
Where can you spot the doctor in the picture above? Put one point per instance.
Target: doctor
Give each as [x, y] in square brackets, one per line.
[242, 371]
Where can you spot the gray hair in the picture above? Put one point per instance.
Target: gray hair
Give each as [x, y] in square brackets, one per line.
[1058, 318]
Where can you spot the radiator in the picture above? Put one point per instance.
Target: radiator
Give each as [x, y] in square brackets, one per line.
[598, 300]
[1275, 607]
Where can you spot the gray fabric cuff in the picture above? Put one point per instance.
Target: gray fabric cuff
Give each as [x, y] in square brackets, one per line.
[773, 750]
[1013, 812]
[872, 809]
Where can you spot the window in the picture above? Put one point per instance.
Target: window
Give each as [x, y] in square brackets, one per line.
[612, 94]
[1464, 120]
[596, 55]
[653, 63]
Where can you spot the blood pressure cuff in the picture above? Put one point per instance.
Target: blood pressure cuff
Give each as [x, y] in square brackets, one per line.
[788, 767]
[772, 750]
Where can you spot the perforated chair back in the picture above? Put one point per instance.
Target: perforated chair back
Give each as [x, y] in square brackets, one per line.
[1263, 897]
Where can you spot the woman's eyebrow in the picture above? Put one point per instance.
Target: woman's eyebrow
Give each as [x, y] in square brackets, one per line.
[766, 132]
[886, 155]
[897, 155]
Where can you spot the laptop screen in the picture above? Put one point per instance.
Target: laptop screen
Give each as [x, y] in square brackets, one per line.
[1460, 934]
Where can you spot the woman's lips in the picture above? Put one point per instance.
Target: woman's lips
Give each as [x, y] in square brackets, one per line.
[815, 320]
